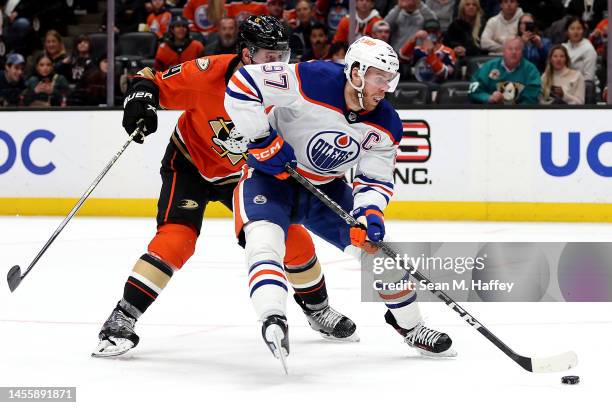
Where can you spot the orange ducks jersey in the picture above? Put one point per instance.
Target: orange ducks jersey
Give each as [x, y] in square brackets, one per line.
[204, 132]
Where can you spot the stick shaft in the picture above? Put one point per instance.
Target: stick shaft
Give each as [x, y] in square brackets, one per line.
[79, 204]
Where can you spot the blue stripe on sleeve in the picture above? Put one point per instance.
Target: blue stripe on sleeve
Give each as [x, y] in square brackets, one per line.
[251, 82]
[240, 96]
[374, 181]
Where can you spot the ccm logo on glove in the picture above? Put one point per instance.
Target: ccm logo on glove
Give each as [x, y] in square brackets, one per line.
[268, 151]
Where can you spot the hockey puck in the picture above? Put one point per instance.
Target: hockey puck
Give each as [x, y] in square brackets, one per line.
[570, 379]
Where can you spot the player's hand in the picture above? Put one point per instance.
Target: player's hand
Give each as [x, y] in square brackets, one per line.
[421, 34]
[140, 107]
[269, 155]
[460, 51]
[372, 226]
[496, 97]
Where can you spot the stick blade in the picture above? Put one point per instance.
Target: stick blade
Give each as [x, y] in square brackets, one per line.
[554, 364]
[14, 277]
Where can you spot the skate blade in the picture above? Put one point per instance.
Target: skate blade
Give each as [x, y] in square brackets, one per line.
[275, 335]
[353, 338]
[107, 349]
[450, 353]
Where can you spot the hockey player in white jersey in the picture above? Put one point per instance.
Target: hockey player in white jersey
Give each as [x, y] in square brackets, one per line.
[327, 119]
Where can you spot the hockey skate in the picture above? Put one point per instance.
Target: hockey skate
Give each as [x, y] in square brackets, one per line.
[331, 324]
[117, 335]
[275, 332]
[428, 342]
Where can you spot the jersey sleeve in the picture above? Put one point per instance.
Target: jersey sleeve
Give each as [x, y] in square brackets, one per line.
[252, 92]
[182, 86]
[373, 182]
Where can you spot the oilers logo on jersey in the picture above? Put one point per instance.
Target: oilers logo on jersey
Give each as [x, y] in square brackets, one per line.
[232, 144]
[329, 150]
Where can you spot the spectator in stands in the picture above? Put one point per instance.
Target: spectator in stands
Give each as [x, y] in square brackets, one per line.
[276, 8]
[79, 62]
[128, 15]
[242, 9]
[333, 11]
[337, 52]
[203, 15]
[556, 32]
[366, 17]
[510, 79]
[504, 25]
[583, 56]
[381, 31]
[463, 35]
[178, 46]
[589, 11]
[599, 37]
[299, 39]
[545, 12]
[226, 41]
[14, 28]
[53, 48]
[11, 80]
[94, 84]
[45, 87]
[490, 8]
[384, 6]
[444, 10]
[560, 83]
[159, 19]
[406, 19]
[536, 46]
[319, 43]
[433, 61]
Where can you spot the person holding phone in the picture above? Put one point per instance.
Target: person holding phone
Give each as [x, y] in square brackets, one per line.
[536, 47]
[560, 83]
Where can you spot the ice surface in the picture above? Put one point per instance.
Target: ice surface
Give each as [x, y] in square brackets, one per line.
[201, 345]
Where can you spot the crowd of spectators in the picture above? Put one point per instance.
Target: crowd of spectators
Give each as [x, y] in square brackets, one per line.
[527, 52]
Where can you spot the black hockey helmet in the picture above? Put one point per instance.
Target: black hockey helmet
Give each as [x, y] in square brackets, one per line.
[263, 32]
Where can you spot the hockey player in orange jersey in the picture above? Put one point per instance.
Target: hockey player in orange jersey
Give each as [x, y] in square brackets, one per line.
[202, 164]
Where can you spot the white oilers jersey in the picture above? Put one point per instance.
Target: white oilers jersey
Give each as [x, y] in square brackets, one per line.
[305, 104]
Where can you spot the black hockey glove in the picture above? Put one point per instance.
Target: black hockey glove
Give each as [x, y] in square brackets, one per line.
[140, 109]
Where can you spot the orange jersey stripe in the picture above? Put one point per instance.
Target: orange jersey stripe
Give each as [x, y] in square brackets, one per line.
[243, 87]
[172, 189]
[266, 272]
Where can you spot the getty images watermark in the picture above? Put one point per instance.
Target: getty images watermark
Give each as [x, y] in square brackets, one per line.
[491, 272]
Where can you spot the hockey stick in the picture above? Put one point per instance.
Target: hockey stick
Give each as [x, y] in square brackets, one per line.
[560, 362]
[14, 276]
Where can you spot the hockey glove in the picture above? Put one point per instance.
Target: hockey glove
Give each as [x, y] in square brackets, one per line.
[372, 227]
[140, 109]
[269, 155]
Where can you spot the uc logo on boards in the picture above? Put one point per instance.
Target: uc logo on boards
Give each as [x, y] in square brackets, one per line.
[24, 152]
[593, 156]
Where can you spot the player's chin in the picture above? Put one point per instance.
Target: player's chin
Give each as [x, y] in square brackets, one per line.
[372, 102]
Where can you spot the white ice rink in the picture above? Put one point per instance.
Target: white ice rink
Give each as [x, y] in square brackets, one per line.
[201, 345]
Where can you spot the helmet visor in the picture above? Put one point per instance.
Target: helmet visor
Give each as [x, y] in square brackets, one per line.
[264, 56]
[382, 79]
